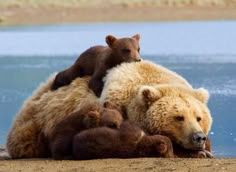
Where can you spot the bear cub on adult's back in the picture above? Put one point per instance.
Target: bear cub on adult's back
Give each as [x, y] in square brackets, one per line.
[97, 60]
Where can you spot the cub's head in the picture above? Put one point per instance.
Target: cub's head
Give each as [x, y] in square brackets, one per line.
[110, 116]
[177, 112]
[97, 115]
[127, 49]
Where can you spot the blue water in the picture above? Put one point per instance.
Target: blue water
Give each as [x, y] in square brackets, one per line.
[202, 52]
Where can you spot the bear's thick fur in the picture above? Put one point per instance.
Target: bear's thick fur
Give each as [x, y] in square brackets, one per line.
[22, 141]
[96, 60]
[157, 99]
[127, 142]
[89, 116]
[161, 102]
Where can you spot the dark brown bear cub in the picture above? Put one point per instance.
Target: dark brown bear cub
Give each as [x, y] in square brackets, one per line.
[96, 60]
[60, 142]
[127, 142]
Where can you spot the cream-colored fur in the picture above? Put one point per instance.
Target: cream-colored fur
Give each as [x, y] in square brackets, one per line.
[151, 95]
[122, 82]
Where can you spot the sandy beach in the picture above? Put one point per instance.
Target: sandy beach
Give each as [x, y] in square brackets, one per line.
[107, 165]
[29, 12]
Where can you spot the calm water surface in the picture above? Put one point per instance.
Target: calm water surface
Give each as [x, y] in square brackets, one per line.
[202, 52]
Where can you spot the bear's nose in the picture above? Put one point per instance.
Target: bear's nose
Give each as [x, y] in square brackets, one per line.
[199, 138]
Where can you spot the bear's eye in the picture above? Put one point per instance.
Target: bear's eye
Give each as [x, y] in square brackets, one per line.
[138, 49]
[179, 118]
[112, 125]
[199, 119]
[126, 50]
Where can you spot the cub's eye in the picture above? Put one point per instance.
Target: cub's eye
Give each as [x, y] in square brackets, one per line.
[199, 119]
[112, 125]
[138, 49]
[126, 50]
[179, 118]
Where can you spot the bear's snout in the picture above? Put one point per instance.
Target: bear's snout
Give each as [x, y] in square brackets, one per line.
[138, 58]
[199, 139]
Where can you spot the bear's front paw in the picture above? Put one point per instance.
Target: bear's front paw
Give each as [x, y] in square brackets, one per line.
[205, 154]
[165, 147]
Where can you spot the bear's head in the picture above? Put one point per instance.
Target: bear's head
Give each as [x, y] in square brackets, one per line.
[177, 112]
[111, 115]
[125, 49]
[107, 115]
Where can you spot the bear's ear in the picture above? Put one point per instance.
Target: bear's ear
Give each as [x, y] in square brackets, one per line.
[149, 94]
[137, 37]
[110, 40]
[109, 105]
[202, 95]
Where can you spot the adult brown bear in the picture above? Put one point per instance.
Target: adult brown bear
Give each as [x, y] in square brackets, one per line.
[157, 99]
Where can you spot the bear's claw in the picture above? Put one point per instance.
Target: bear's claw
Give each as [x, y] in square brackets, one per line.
[205, 154]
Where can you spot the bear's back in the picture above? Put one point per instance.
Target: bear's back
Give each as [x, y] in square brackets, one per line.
[123, 81]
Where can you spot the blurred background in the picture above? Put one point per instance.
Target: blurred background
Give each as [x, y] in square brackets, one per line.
[66, 11]
[195, 38]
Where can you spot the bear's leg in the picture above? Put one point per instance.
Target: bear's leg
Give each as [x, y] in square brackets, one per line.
[43, 146]
[96, 86]
[61, 147]
[66, 77]
[155, 146]
[62, 79]
[164, 146]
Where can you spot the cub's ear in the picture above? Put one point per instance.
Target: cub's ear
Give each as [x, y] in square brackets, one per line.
[110, 40]
[202, 94]
[137, 37]
[109, 105]
[149, 94]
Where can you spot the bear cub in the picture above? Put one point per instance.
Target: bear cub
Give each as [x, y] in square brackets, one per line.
[127, 142]
[96, 60]
[90, 116]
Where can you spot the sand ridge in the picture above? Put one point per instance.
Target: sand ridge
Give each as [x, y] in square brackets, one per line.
[14, 12]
